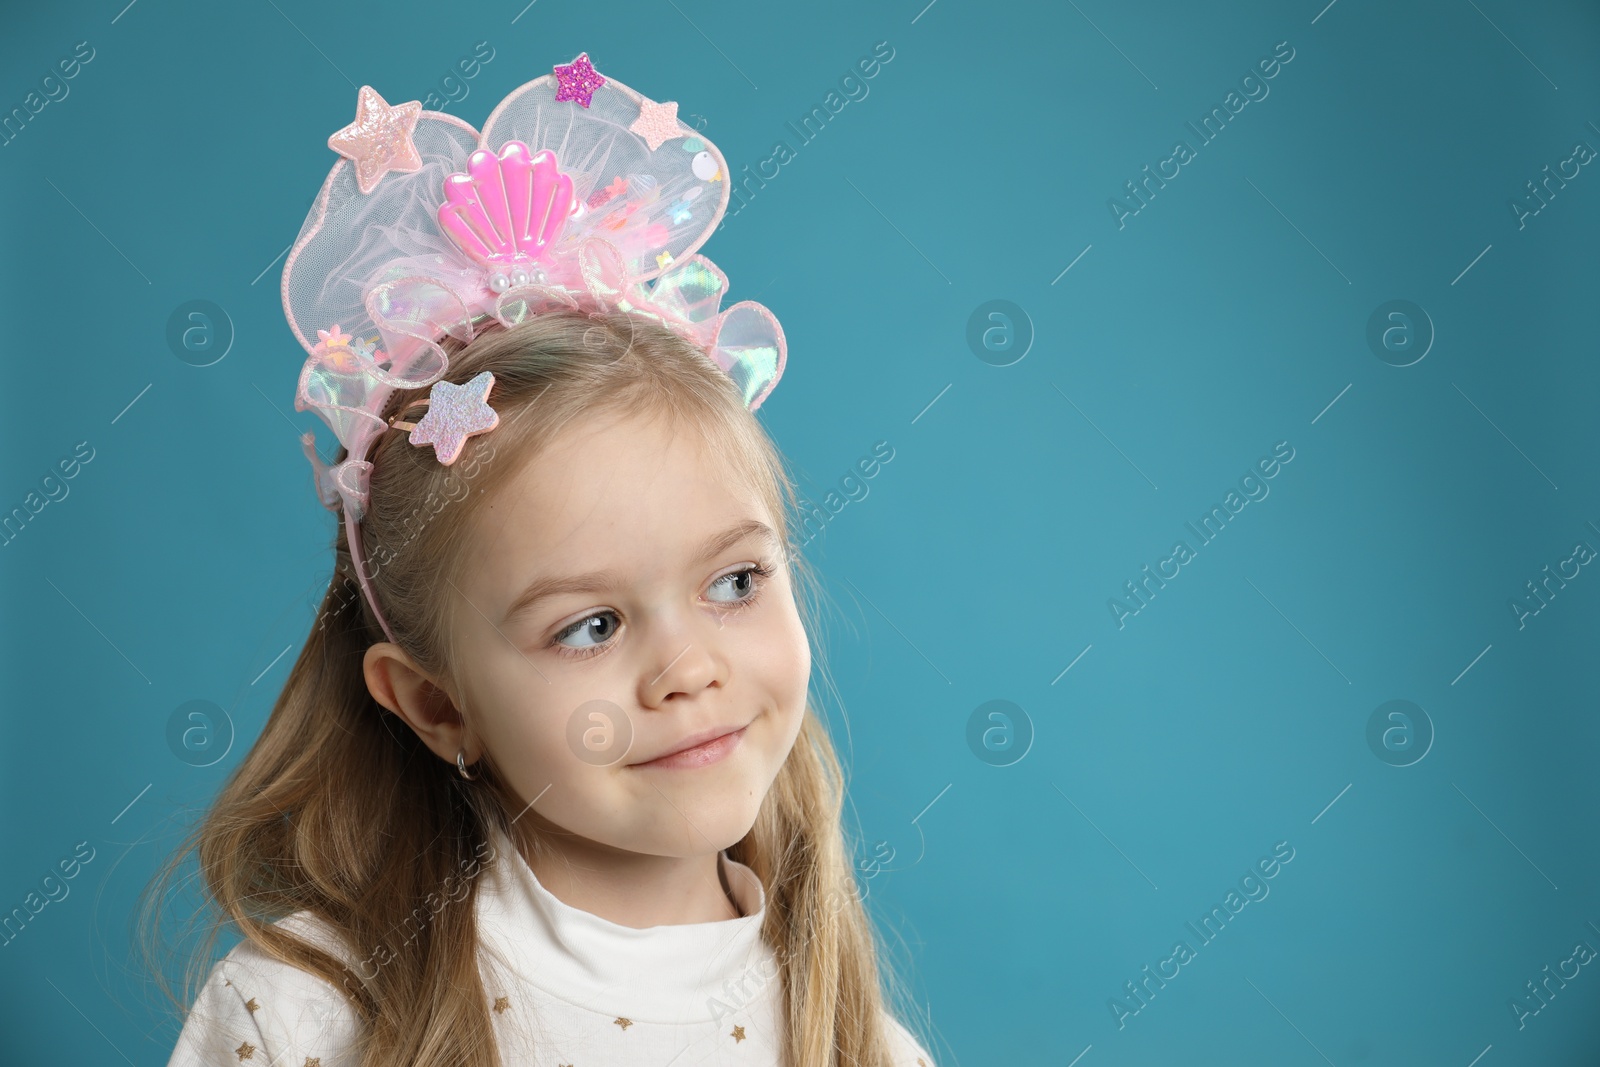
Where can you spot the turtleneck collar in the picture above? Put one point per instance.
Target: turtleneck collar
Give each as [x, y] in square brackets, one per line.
[672, 973]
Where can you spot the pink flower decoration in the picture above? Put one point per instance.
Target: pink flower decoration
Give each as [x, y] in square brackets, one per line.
[334, 338]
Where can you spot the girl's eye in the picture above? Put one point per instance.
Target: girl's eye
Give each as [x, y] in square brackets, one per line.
[595, 632]
[594, 626]
[746, 584]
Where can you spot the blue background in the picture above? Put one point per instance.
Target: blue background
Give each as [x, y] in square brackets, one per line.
[1229, 314]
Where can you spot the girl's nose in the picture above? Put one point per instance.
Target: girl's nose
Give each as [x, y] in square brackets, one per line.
[682, 672]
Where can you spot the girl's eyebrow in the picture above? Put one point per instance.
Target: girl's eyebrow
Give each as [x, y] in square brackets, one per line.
[595, 581]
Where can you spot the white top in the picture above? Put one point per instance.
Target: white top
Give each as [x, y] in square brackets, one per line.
[566, 988]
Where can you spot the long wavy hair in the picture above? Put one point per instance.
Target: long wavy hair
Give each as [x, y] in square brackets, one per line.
[339, 810]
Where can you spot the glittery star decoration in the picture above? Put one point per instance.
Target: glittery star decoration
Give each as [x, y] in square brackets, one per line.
[502, 1004]
[251, 1006]
[379, 140]
[245, 1050]
[623, 1022]
[455, 413]
[313, 1061]
[577, 80]
[657, 123]
[737, 1035]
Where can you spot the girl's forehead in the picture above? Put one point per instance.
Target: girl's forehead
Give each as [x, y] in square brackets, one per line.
[621, 486]
[631, 459]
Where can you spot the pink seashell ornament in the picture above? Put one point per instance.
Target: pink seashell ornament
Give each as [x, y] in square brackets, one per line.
[507, 211]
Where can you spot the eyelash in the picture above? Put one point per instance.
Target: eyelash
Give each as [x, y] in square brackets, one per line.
[760, 571]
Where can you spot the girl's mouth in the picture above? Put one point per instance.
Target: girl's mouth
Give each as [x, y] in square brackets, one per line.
[701, 755]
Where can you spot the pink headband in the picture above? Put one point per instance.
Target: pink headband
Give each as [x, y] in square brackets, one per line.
[578, 191]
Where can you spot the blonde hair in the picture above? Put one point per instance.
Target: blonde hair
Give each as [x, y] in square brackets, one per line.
[339, 809]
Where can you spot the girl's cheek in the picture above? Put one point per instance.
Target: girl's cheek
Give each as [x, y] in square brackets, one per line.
[553, 743]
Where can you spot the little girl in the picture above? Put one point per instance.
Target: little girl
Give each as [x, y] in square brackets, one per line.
[544, 786]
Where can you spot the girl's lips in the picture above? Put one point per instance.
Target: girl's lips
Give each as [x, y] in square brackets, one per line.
[702, 755]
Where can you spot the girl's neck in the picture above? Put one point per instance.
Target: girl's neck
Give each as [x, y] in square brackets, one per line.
[630, 888]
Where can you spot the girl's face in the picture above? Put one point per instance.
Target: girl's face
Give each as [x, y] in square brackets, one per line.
[613, 611]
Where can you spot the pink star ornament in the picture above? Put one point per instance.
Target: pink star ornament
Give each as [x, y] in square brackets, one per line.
[379, 140]
[657, 123]
[577, 80]
[455, 413]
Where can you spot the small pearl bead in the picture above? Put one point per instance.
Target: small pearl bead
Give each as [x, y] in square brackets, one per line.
[499, 282]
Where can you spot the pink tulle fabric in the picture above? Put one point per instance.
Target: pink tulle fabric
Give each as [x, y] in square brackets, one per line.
[554, 205]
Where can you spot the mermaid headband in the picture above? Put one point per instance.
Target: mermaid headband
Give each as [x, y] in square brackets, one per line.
[579, 193]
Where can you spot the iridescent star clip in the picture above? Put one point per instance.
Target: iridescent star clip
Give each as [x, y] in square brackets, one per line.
[380, 139]
[455, 413]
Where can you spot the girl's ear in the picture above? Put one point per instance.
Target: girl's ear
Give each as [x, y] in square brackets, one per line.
[401, 686]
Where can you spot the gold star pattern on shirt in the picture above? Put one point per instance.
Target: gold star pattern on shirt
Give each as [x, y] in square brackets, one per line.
[245, 1050]
[737, 1035]
[502, 1004]
[622, 1022]
[313, 1061]
[251, 1006]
